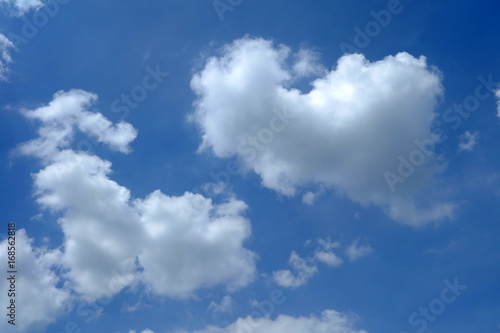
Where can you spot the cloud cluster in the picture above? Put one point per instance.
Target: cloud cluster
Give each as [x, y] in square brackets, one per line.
[20, 7]
[5, 47]
[304, 269]
[39, 301]
[329, 321]
[172, 245]
[344, 134]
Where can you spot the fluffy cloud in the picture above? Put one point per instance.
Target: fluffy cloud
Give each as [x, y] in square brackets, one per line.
[39, 301]
[193, 243]
[68, 112]
[355, 251]
[174, 245]
[344, 134]
[20, 7]
[330, 321]
[468, 140]
[5, 48]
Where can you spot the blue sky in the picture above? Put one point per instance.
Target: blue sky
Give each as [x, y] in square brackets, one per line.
[232, 166]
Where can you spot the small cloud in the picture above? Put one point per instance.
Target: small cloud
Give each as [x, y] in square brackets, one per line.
[214, 188]
[497, 93]
[329, 258]
[224, 306]
[355, 252]
[327, 244]
[468, 140]
[134, 307]
[37, 217]
[308, 198]
[324, 255]
[305, 271]
[357, 215]
[307, 63]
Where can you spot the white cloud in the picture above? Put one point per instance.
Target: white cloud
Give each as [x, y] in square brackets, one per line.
[330, 321]
[324, 254]
[344, 134]
[192, 243]
[147, 330]
[5, 47]
[327, 244]
[307, 63]
[304, 271]
[67, 112]
[308, 198]
[329, 258]
[355, 252]
[39, 301]
[224, 306]
[468, 140]
[174, 245]
[20, 7]
[497, 94]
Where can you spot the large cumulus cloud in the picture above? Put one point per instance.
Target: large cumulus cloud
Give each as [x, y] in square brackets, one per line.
[346, 133]
[173, 245]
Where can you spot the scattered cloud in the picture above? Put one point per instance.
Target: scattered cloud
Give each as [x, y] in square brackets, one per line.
[468, 140]
[304, 271]
[497, 94]
[329, 258]
[5, 47]
[307, 63]
[174, 245]
[324, 254]
[344, 134]
[308, 198]
[40, 301]
[354, 251]
[224, 306]
[20, 7]
[329, 321]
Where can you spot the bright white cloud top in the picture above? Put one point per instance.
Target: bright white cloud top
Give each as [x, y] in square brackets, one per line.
[173, 245]
[353, 127]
